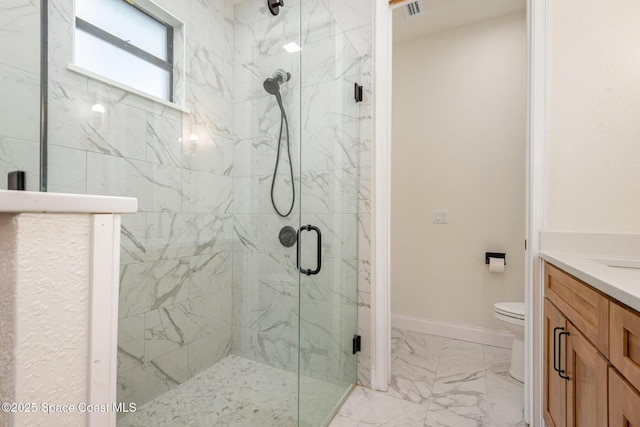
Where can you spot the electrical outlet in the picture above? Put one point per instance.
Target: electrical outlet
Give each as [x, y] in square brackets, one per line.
[440, 217]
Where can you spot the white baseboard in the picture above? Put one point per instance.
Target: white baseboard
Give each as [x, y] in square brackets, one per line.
[453, 330]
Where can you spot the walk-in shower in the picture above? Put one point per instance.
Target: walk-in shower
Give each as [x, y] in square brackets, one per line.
[176, 103]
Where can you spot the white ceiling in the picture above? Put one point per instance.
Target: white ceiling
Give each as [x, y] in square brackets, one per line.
[440, 15]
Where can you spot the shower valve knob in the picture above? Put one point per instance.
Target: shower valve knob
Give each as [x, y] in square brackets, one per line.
[274, 6]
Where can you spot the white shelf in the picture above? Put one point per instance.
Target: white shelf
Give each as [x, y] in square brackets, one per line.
[35, 202]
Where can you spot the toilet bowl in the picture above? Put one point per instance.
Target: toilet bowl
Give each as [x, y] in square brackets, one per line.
[512, 314]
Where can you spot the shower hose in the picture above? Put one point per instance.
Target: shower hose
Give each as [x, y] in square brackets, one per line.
[285, 122]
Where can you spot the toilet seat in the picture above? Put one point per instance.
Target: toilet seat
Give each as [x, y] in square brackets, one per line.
[512, 310]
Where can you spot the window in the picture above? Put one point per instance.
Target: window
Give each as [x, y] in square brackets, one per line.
[122, 42]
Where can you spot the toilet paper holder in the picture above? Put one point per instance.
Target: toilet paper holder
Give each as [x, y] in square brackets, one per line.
[488, 255]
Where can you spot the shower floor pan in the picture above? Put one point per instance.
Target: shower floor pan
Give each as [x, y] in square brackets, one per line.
[237, 392]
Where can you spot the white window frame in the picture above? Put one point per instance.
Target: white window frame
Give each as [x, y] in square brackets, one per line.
[177, 84]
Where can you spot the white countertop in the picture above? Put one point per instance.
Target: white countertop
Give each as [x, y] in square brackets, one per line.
[588, 261]
[36, 202]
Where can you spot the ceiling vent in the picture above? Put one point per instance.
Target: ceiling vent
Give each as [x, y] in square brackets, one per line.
[413, 8]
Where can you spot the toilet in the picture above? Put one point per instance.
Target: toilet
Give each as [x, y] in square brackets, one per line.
[512, 314]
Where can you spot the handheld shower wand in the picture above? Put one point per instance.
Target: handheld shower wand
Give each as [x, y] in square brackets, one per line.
[272, 86]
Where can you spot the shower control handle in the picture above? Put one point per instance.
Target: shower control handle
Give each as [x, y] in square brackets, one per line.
[309, 272]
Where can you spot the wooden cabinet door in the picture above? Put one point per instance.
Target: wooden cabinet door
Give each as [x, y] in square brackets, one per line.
[625, 342]
[587, 386]
[555, 396]
[624, 402]
[582, 305]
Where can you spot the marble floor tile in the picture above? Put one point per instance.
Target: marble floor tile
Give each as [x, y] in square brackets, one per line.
[436, 382]
[366, 407]
[495, 358]
[414, 363]
[457, 383]
[342, 421]
[505, 400]
[459, 400]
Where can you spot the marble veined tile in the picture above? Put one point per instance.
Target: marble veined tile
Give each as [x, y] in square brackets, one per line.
[208, 350]
[457, 360]
[330, 191]
[371, 408]
[163, 141]
[271, 349]
[19, 118]
[328, 59]
[496, 359]
[342, 421]
[484, 395]
[459, 400]
[150, 285]
[210, 273]
[130, 342]
[505, 397]
[157, 187]
[349, 14]
[413, 377]
[414, 363]
[210, 193]
[19, 32]
[415, 343]
[17, 154]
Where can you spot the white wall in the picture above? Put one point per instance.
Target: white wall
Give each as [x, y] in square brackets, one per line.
[593, 149]
[459, 144]
[7, 318]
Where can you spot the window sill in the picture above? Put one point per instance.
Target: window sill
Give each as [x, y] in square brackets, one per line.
[94, 76]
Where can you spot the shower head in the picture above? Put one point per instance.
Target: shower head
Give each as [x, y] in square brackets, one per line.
[272, 84]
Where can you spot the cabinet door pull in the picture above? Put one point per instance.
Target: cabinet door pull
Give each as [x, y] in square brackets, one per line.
[555, 348]
[561, 371]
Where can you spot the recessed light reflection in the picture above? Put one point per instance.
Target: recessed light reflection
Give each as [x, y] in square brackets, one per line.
[98, 108]
[292, 47]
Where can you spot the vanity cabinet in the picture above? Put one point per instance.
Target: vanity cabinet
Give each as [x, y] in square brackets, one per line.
[591, 356]
[575, 374]
[576, 327]
[625, 342]
[555, 394]
[624, 402]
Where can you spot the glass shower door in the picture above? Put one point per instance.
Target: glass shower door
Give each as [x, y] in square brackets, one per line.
[20, 89]
[329, 202]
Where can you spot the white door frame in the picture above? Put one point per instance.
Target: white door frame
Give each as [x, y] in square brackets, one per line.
[537, 24]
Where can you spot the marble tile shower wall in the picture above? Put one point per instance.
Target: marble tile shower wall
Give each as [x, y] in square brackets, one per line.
[175, 291]
[19, 86]
[265, 280]
[265, 291]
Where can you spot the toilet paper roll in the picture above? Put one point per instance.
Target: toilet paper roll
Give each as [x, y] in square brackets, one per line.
[496, 265]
